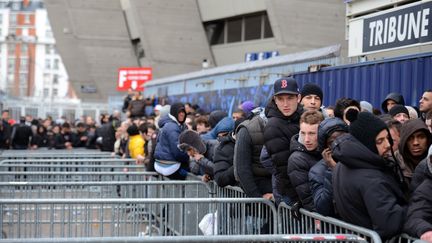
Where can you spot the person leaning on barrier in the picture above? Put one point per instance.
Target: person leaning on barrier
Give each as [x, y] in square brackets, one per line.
[223, 158]
[320, 175]
[283, 113]
[200, 153]
[419, 221]
[66, 138]
[169, 159]
[367, 185]
[304, 155]
[254, 179]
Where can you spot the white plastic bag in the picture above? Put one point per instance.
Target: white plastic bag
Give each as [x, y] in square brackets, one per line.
[208, 224]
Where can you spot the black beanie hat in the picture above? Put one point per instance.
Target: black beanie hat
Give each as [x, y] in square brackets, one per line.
[215, 117]
[132, 130]
[176, 108]
[190, 138]
[396, 109]
[366, 128]
[311, 89]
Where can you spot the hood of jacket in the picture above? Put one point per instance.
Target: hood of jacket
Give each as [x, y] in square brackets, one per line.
[396, 97]
[165, 120]
[327, 127]
[407, 130]
[352, 153]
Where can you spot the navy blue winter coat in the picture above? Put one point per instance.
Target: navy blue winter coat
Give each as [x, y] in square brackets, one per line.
[167, 141]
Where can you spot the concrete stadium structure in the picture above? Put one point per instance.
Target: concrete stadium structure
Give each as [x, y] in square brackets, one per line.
[97, 37]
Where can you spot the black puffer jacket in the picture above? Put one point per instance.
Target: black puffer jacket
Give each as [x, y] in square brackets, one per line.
[420, 209]
[277, 137]
[365, 188]
[299, 164]
[396, 97]
[223, 162]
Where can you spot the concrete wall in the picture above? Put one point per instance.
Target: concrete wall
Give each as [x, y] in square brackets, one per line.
[93, 42]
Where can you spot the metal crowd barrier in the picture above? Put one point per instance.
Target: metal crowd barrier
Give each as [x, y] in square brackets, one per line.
[72, 161]
[203, 239]
[56, 176]
[49, 154]
[81, 218]
[106, 189]
[68, 168]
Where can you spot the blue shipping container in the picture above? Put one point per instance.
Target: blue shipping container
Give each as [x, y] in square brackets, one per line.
[370, 81]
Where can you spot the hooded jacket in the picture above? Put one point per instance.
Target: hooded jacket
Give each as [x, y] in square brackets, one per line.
[277, 136]
[224, 125]
[299, 163]
[320, 175]
[167, 141]
[366, 191]
[410, 162]
[420, 209]
[223, 162]
[396, 97]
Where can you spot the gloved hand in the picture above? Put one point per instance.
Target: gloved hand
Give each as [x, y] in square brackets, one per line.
[295, 210]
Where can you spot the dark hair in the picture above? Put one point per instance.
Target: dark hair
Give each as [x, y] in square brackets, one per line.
[202, 120]
[342, 104]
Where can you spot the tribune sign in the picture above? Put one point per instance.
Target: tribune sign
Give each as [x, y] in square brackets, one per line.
[405, 26]
[133, 78]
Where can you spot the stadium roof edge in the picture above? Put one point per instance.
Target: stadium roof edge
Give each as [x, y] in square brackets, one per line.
[325, 52]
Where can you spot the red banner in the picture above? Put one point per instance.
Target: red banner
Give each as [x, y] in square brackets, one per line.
[133, 78]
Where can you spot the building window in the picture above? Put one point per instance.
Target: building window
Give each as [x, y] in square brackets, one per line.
[27, 19]
[253, 27]
[55, 92]
[47, 63]
[13, 19]
[56, 64]
[23, 78]
[11, 49]
[268, 33]
[234, 30]
[1, 18]
[24, 49]
[215, 32]
[23, 64]
[55, 79]
[241, 28]
[16, 6]
[48, 49]
[11, 65]
[45, 92]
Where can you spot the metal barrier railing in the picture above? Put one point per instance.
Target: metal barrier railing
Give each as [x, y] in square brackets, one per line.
[105, 189]
[49, 154]
[203, 239]
[57, 218]
[74, 161]
[314, 223]
[25, 176]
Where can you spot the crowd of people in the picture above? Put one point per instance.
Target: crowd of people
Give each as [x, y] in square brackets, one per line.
[367, 166]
